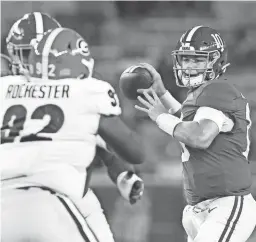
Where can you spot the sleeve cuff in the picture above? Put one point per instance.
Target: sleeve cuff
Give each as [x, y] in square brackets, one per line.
[213, 114]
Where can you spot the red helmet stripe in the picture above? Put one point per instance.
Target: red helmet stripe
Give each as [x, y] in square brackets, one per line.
[46, 50]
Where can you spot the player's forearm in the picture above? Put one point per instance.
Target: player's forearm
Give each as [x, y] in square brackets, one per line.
[190, 134]
[115, 165]
[117, 168]
[130, 148]
[122, 140]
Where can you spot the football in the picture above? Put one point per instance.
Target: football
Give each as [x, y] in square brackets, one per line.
[134, 78]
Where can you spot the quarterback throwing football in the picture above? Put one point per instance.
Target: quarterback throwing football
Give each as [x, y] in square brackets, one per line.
[214, 131]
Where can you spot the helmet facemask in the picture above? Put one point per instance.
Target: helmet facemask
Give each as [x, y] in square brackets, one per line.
[24, 34]
[193, 68]
[19, 56]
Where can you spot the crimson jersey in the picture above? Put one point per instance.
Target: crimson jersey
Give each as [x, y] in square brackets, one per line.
[222, 169]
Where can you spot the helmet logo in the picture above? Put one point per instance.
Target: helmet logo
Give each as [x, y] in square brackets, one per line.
[82, 46]
[218, 40]
[206, 47]
[18, 33]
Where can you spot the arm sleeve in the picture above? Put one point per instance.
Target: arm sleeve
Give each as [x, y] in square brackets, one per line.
[215, 115]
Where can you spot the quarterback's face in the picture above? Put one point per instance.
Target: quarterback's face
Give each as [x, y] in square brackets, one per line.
[193, 64]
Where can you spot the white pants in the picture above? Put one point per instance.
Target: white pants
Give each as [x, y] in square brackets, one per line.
[91, 209]
[226, 219]
[41, 216]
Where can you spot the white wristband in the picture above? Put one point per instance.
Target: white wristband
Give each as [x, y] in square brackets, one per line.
[167, 122]
[170, 102]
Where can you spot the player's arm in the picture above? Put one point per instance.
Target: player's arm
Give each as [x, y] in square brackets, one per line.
[195, 134]
[200, 132]
[125, 142]
[115, 165]
[209, 120]
[130, 186]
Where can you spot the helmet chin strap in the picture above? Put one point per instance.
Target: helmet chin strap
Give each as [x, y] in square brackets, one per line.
[90, 65]
[193, 81]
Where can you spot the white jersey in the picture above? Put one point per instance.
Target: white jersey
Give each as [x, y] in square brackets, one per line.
[49, 128]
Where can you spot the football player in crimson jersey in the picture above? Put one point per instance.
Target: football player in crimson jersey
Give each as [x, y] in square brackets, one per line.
[214, 133]
[6, 65]
[49, 128]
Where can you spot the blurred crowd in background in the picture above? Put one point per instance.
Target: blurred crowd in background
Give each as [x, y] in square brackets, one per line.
[124, 33]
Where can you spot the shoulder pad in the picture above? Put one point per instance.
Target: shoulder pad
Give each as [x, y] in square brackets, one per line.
[107, 99]
[218, 95]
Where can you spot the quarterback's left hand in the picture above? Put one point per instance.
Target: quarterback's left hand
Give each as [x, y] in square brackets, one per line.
[153, 105]
[130, 186]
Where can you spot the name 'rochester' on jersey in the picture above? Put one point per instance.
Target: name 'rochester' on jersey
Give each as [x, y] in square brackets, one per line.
[49, 128]
[222, 169]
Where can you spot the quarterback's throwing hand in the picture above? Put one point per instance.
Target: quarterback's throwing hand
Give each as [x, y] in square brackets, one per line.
[152, 106]
[158, 85]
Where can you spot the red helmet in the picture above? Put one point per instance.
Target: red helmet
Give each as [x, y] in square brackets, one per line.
[5, 65]
[202, 45]
[61, 53]
[24, 34]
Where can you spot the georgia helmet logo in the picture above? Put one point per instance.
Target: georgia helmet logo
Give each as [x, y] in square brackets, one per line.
[15, 32]
[18, 33]
[82, 46]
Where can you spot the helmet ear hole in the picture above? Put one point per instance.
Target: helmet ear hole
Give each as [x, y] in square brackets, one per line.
[69, 46]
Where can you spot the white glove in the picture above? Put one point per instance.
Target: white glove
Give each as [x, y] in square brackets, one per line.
[130, 186]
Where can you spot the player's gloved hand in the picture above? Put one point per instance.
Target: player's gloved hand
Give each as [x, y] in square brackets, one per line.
[152, 106]
[158, 85]
[130, 186]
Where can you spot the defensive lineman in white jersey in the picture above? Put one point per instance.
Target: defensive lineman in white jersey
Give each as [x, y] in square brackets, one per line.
[65, 116]
[48, 139]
